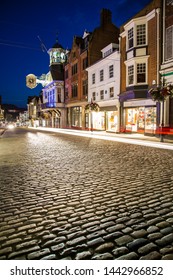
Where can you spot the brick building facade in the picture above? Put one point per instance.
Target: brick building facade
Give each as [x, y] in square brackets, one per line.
[85, 51]
[140, 63]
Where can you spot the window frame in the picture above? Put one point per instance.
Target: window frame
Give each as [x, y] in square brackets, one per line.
[74, 69]
[93, 78]
[111, 92]
[169, 43]
[101, 75]
[101, 94]
[85, 87]
[93, 95]
[140, 35]
[134, 66]
[111, 71]
[140, 73]
[74, 90]
[130, 37]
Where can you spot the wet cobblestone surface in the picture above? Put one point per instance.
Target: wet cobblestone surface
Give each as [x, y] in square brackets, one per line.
[68, 197]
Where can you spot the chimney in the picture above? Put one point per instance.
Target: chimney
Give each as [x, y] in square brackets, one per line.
[106, 17]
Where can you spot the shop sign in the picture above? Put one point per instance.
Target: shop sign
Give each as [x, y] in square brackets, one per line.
[138, 103]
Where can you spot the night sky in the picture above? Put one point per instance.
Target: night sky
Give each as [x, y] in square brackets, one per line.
[21, 22]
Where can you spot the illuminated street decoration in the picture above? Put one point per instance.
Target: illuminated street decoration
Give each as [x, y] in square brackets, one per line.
[92, 106]
[160, 93]
[32, 81]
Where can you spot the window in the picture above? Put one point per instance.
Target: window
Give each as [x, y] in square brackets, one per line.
[74, 90]
[111, 92]
[169, 43]
[59, 94]
[101, 75]
[85, 87]
[74, 69]
[141, 34]
[66, 94]
[51, 98]
[130, 38]
[93, 96]
[76, 115]
[107, 53]
[93, 78]
[85, 63]
[111, 71]
[102, 94]
[141, 73]
[131, 75]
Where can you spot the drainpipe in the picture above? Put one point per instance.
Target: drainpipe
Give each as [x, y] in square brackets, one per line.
[163, 47]
[120, 105]
[157, 62]
[158, 44]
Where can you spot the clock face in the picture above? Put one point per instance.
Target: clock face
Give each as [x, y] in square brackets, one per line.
[31, 81]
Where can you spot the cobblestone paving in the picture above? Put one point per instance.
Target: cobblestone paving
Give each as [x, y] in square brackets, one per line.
[68, 197]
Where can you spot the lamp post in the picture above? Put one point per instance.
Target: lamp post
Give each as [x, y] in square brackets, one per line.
[162, 121]
[160, 93]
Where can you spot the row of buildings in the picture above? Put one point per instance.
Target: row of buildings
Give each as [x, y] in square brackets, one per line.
[106, 81]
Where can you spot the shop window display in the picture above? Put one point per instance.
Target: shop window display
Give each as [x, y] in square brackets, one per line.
[140, 119]
[112, 121]
[150, 120]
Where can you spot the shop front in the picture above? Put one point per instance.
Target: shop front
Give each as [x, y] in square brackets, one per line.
[140, 118]
[107, 119]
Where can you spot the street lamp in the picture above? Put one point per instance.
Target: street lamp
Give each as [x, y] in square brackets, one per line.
[160, 93]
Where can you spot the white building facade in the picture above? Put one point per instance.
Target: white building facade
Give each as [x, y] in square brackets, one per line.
[104, 89]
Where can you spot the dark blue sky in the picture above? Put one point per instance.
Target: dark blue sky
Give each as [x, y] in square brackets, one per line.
[21, 22]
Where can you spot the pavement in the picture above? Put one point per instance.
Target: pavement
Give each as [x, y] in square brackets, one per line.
[131, 138]
[77, 198]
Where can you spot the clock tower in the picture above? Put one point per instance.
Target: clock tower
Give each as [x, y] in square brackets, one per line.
[57, 59]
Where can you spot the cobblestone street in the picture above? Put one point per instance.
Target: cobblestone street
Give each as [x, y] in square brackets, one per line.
[69, 197]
